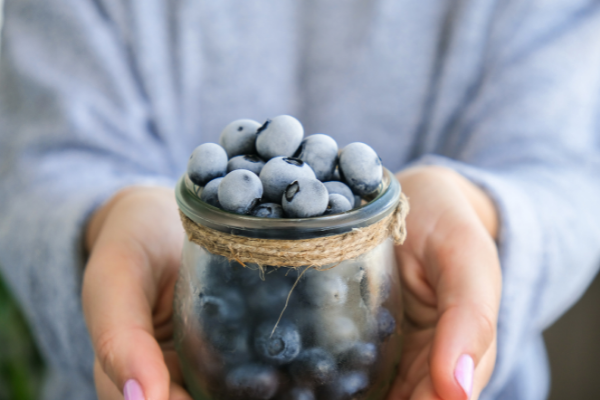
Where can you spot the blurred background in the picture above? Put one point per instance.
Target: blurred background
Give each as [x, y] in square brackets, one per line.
[573, 345]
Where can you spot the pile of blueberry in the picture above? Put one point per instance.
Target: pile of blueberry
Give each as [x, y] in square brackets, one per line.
[326, 346]
[269, 171]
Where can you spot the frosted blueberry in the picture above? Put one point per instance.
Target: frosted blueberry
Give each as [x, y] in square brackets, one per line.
[268, 297]
[223, 308]
[386, 324]
[232, 343]
[280, 136]
[250, 162]
[268, 210]
[279, 172]
[252, 381]
[337, 332]
[359, 355]
[210, 193]
[320, 152]
[324, 289]
[347, 385]
[239, 137]
[247, 276]
[335, 187]
[360, 168]
[305, 198]
[280, 347]
[337, 204]
[313, 366]
[299, 393]
[240, 191]
[207, 162]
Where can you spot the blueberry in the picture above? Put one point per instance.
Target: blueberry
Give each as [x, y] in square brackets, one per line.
[359, 355]
[337, 204]
[304, 198]
[232, 344]
[280, 136]
[324, 289]
[207, 162]
[210, 193]
[339, 333]
[250, 162]
[279, 172]
[347, 386]
[216, 271]
[334, 187]
[240, 191]
[279, 347]
[269, 297]
[360, 168]
[386, 324]
[268, 210]
[239, 137]
[320, 152]
[252, 381]
[357, 200]
[299, 393]
[224, 307]
[313, 366]
[246, 276]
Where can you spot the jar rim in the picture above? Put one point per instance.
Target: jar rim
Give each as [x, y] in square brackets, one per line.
[380, 205]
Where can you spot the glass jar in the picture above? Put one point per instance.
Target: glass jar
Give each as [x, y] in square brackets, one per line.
[243, 331]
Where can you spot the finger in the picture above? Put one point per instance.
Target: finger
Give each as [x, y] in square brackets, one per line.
[117, 300]
[105, 388]
[177, 392]
[467, 281]
[413, 365]
[425, 391]
[172, 361]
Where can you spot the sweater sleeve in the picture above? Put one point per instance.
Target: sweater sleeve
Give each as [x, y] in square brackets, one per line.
[528, 135]
[75, 127]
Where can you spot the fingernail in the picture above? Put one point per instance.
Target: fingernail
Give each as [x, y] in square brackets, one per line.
[133, 390]
[464, 373]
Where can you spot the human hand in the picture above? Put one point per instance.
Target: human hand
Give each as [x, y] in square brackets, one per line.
[135, 244]
[451, 283]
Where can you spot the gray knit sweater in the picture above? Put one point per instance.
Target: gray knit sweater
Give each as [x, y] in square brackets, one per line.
[96, 95]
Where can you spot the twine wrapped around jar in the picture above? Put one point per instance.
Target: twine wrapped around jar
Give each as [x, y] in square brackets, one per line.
[316, 252]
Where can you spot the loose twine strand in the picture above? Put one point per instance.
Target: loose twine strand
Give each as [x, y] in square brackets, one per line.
[316, 252]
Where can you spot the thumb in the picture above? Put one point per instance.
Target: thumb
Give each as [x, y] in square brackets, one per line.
[118, 299]
[468, 289]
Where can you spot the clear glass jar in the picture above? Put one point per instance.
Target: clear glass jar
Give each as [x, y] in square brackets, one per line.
[338, 337]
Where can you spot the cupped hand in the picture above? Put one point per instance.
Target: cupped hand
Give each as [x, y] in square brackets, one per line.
[135, 243]
[451, 287]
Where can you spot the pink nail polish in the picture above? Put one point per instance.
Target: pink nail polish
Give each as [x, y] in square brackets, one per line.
[133, 390]
[465, 367]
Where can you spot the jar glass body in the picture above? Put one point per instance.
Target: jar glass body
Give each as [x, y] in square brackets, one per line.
[262, 332]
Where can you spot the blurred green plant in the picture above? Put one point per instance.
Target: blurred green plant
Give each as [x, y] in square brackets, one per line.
[21, 367]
